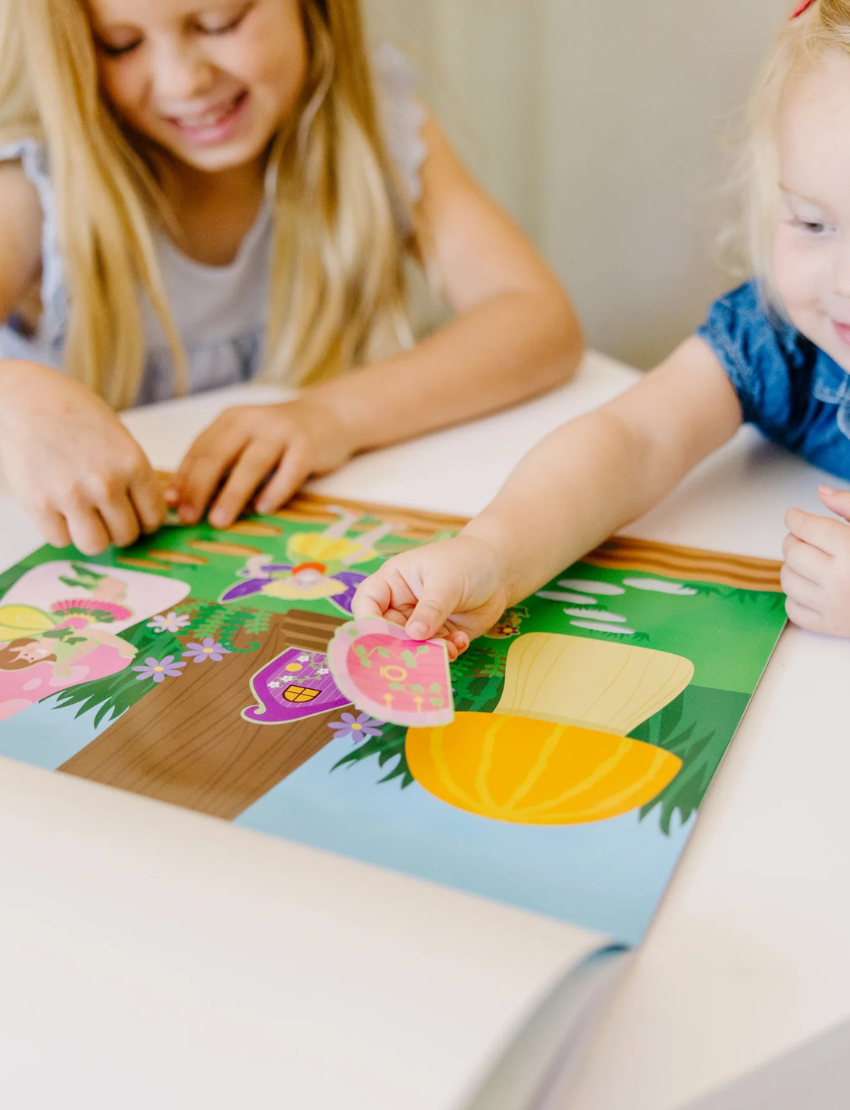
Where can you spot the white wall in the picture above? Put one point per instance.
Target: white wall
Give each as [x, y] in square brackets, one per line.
[599, 124]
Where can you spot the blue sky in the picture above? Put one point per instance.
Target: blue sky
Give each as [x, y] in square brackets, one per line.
[607, 876]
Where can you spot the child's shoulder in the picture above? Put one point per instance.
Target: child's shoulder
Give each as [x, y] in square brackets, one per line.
[402, 114]
[752, 336]
[788, 387]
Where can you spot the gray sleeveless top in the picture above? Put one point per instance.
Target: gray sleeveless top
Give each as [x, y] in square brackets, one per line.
[219, 311]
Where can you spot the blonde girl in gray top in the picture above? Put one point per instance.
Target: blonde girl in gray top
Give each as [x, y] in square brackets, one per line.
[195, 193]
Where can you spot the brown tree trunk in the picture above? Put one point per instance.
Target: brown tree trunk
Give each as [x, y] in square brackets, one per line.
[186, 741]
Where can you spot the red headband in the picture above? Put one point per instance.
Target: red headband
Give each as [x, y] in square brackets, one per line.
[804, 7]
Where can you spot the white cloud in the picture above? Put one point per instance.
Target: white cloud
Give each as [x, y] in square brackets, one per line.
[590, 586]
[571, 599]
[597, 615]
[660, 586]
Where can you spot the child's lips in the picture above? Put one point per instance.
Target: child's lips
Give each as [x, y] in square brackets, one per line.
[212, 126]
[842, 331]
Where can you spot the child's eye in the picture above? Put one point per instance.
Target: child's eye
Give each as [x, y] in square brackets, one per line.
[229, 25]
[118, 51]
[812, 227]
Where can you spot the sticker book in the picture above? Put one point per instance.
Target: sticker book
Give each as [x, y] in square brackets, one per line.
[557, 766]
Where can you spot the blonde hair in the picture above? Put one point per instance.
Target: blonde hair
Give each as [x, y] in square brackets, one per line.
[800, 45]
[343, 226]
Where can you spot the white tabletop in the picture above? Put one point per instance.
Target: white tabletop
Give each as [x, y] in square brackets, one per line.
[150, 956]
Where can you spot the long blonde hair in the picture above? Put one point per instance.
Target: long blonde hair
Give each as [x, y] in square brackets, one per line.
[343, 227]
[800, 45]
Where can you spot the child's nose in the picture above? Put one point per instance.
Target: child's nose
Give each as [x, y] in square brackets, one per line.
[181, 72]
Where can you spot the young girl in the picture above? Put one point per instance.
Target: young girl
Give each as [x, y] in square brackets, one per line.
[201, 192]
[775, 352]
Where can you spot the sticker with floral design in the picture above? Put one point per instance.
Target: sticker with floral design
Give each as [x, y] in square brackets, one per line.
[390, 676]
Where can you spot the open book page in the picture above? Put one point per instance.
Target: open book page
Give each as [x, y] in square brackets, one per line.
[164, 958]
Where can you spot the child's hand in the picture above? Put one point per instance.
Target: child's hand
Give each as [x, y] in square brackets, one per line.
[71, 462]
[452, 589]
[816, 575]
[276, 447]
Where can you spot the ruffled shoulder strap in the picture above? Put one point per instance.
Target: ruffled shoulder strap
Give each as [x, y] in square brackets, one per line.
[402, 115]
[32, 155]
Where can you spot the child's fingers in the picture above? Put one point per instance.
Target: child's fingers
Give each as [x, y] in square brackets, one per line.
[119, 515]
[808, 619]
[431, 613]
[459, 641]
[810, 562]
[373, 597]
[818, 531]
[208, 459]
[87, 530]
[250, 471]
[800, 589]
[53, 527]
[149, 501]
[290, 476]
[837, 501]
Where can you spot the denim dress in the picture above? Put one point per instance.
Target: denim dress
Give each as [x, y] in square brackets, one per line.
[790, 389]
[219, 311]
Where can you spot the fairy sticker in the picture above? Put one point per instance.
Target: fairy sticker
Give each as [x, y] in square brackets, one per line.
[44, 652]
[317, 566]
[60, 625]
[142, 595]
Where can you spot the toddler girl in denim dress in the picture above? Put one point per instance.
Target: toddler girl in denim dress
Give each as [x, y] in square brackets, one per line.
[196, 193]
[775, 353]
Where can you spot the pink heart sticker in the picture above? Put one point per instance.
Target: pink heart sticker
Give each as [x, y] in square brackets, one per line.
[390, 676]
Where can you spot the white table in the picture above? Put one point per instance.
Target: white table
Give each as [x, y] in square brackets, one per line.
[153, 957]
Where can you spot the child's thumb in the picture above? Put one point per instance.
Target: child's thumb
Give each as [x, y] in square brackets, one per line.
[837, 501]
[428, 617]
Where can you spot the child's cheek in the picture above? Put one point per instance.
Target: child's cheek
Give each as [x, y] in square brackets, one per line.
[797, 272]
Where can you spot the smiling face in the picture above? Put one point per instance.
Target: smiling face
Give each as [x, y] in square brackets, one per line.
[811, 265]
[207, 81]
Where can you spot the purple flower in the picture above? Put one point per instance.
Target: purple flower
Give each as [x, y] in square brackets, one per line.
[209, 649]
[159, 669]
[355, 728]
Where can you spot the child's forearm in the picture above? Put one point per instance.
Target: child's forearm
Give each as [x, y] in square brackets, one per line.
[579, 486]
[504, 350]
[594, 475]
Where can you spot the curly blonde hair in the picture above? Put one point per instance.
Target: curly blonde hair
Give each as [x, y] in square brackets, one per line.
[338, 290]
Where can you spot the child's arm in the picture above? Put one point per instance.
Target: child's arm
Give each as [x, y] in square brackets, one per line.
[581, 484]
[515, 335]
[67, 457]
